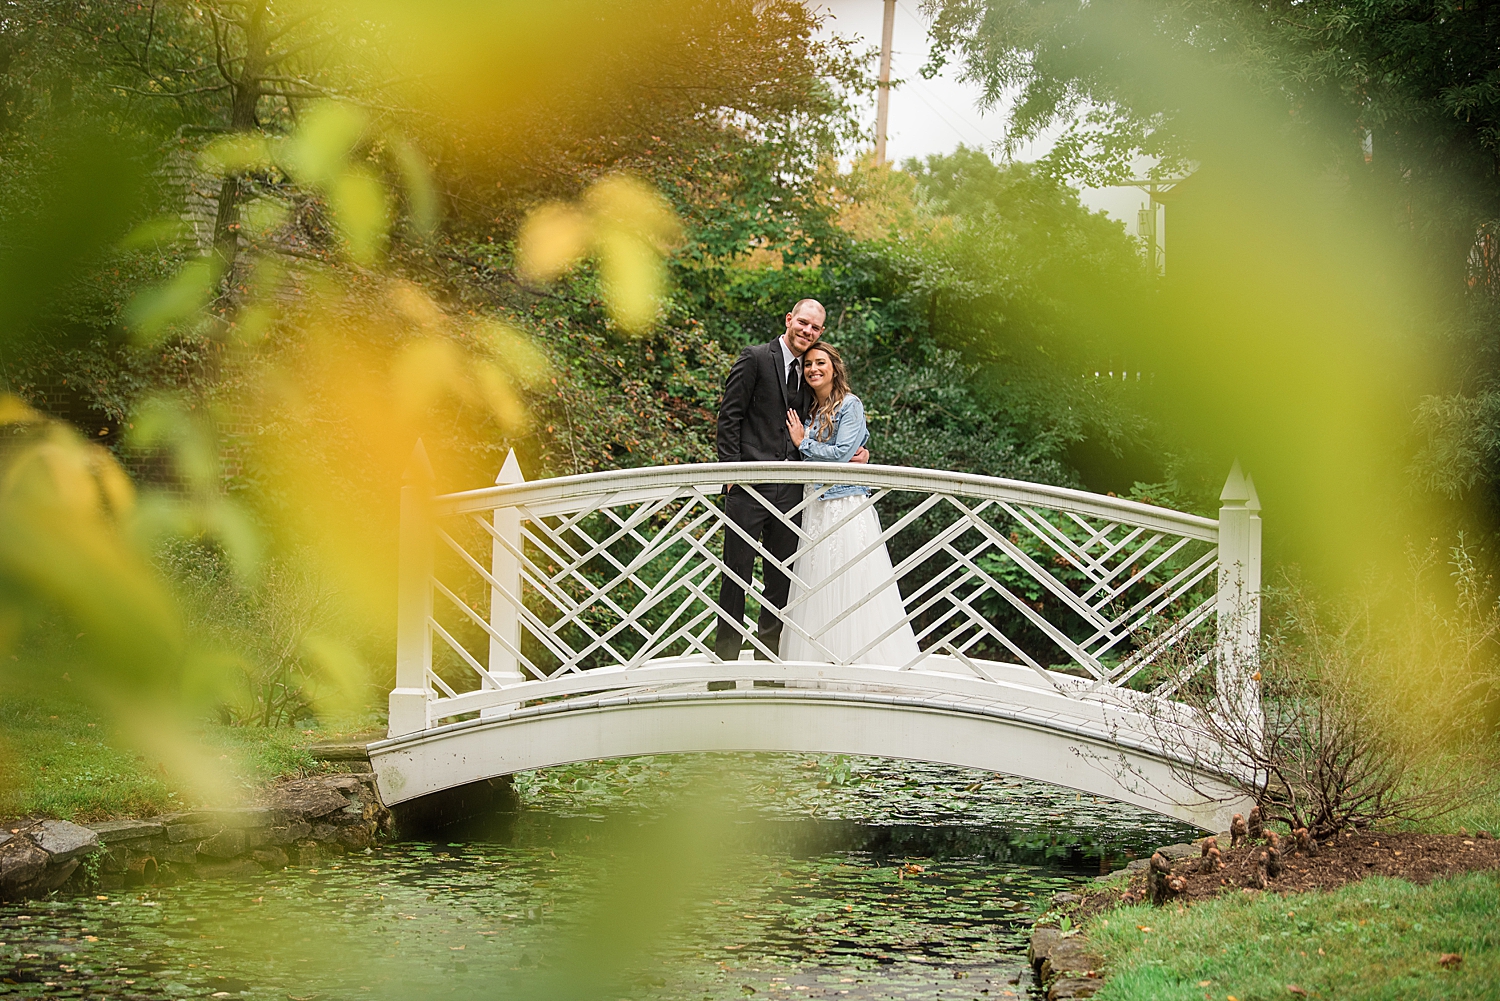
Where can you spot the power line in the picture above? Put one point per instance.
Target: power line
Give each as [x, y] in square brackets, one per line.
[965, 122]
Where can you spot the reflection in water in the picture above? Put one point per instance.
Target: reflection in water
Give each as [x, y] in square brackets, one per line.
[927, 895]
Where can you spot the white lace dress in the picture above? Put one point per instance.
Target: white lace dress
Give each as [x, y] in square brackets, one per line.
[831, 576]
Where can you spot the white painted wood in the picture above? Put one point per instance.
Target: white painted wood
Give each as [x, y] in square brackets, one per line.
[506, 569]
[796, 721]
[1238, 597]
[565, 552]
[408, 701]
[582, 492]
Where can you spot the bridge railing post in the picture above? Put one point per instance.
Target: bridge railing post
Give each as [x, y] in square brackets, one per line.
[1238, 602]
[408, 705]
[505, 567]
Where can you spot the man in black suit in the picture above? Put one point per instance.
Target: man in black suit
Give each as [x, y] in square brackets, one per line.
[764, 383]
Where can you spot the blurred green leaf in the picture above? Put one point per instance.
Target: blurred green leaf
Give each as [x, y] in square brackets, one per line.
[153, 232]
[153, 310]
[317, 152]
[263, 215]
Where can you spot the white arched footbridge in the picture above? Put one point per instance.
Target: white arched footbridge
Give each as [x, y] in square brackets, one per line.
[573, 619]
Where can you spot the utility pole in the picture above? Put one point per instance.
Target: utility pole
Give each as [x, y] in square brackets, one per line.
[883, 101]
[1146, 220]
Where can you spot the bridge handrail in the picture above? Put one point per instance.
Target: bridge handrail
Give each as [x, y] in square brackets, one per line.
[1136, 577]
[556, 495]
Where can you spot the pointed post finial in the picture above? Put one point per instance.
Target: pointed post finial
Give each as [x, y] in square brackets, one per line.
[1236, 490]
[418, 468]
[510, 472]
[1252, 502]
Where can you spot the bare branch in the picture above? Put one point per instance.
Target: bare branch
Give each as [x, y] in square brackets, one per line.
[150, 32]
[172, 94]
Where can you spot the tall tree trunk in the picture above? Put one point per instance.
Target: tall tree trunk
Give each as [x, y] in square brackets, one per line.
[246, 88]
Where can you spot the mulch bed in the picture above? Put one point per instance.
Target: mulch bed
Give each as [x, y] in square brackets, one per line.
[1347, 858]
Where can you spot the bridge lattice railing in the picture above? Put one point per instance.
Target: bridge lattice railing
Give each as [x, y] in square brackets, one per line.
[509, 590]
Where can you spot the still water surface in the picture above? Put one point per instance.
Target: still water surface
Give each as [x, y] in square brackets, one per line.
[704, 877]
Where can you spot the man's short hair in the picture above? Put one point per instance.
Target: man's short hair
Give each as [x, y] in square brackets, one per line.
[803, 302]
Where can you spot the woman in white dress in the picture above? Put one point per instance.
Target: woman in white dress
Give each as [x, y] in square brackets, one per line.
[829, 584]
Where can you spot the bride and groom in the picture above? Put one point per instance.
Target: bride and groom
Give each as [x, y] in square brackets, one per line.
[789, 400]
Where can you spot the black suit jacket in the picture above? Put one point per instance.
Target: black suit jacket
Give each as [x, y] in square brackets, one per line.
[752, 414]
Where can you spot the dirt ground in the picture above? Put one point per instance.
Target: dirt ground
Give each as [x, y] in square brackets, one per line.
[1419, 858]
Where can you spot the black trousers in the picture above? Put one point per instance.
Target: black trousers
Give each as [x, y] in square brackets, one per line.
[779, 540]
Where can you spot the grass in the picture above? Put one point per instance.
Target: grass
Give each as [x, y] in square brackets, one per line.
[58, 758]
[1374, 940]
[1480, 809]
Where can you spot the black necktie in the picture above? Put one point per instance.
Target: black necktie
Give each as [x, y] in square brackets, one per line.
[791, 382]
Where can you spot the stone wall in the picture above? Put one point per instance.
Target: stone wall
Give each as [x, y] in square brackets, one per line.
[299, 822]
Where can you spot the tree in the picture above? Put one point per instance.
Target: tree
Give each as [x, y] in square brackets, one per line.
[1388, 105]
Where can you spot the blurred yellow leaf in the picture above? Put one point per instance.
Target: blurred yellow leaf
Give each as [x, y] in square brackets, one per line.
[340, 668]
[425, 372]
[498, 395]
[361, 209]
[13, 411]
[525, 364]
[235, 154]
[70, 475]
[421, 196]
[553, 239]
[632, 207]
[634, 279]
[627, 225]
[115, 485]
[414, 304]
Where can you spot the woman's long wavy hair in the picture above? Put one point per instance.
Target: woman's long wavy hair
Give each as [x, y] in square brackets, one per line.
[820, 420]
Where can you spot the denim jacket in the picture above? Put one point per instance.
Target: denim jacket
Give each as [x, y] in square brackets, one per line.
[849, 434]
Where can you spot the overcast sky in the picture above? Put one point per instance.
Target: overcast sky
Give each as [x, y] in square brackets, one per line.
[937, 115]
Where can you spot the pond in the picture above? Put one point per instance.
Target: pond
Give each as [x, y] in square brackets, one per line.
[675, 877]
